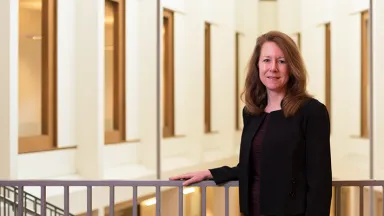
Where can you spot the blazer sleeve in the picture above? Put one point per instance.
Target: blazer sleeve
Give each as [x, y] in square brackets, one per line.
[318, 161]
[225, 173]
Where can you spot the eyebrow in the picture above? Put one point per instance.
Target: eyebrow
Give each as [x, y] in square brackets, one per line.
[270, 56]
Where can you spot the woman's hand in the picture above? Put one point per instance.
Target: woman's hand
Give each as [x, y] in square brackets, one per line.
[193, 177]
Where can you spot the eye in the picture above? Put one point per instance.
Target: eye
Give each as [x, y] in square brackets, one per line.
[266, 60]
[282, 61]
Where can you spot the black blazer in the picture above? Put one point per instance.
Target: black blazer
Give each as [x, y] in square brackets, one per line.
[296, 174]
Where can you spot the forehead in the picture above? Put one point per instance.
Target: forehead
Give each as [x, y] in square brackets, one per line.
[271, 49]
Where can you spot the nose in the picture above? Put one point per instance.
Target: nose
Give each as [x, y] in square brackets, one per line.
[274, 66]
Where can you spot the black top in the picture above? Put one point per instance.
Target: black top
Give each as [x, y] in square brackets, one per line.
[295, 164]
[254, 169]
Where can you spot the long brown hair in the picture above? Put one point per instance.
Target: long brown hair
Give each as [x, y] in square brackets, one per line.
[255, 94]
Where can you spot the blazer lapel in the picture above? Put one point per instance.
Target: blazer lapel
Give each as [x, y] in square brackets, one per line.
[253, 127]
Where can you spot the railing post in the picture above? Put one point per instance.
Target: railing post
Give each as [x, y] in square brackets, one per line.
[20, 208]
[89, 200]
[203, 200]
[111, 200]
[226, 188]
[361, 200]
[158, 92]
[181, 201]
[66, 200]
[158, 201]
[43, 209]
[337, 201]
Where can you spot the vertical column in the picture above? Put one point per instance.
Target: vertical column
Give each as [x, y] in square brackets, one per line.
[251, 21]
[132, 70]
[248, 26]
[66, 73]
[267, 10]
[146, 150]
[223, 74]
[251, 29]
[194, 73]
[90, 87]
[378, 88]
[9, 89]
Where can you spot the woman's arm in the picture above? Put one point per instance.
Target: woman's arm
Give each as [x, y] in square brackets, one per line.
[318, 160]
[225, 173]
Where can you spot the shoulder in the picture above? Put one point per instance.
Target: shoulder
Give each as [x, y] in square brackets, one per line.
[315, 114]
[312, 107]
[246, 115]
[245, 111]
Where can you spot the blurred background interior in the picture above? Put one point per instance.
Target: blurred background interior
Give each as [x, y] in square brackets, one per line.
[87, 94]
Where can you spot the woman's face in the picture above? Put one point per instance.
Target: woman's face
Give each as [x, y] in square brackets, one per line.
[273, 69]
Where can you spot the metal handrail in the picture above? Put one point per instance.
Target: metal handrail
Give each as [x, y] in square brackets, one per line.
[14, 206]
[148, 183]
[14, 191]
[89, 184]
[49, 206]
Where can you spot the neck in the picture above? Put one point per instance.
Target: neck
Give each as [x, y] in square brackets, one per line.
[274, 99]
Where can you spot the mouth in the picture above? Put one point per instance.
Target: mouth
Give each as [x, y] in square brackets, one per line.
[273, 77]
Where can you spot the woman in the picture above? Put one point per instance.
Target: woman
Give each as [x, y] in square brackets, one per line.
[285, 161]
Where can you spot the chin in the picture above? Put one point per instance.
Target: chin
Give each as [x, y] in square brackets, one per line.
[275, 88]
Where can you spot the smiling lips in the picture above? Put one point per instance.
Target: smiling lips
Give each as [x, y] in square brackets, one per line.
[273, 78]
